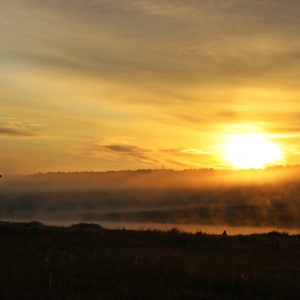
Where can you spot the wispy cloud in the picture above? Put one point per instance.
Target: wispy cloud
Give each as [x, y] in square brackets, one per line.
[211, 42]
[196, 152]
[14, 128]
[153, 157]
[14, 132]
[123, 151]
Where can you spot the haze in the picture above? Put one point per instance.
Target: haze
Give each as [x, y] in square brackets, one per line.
[257, 198]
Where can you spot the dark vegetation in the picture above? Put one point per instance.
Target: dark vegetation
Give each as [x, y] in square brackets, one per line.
[87, 261]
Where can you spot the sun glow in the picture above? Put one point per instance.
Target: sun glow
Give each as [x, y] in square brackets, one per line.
[251, 151]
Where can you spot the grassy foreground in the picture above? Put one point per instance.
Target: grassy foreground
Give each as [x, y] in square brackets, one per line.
[86, 261]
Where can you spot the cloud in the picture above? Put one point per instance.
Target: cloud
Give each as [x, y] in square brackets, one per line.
[14, 128]
[188, 152]
[14, 132]
[196, 152]
[212, 41]
[120, 149]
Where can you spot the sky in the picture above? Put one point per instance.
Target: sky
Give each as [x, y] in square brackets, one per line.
[96, 85]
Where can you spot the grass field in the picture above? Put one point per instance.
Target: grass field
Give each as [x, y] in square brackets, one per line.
[87, 261]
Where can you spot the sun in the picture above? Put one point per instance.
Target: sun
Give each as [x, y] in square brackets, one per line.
[251, 151]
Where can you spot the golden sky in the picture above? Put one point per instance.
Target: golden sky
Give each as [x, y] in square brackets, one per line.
[111, 85]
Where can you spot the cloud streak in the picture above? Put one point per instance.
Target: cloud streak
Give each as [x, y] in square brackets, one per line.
[14, 132]
[123, 149]
[217, 42]
[14, 128]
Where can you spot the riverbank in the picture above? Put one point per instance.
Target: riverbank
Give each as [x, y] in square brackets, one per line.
[87, 261]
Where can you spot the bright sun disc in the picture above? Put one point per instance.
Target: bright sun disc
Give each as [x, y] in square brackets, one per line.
[251, 151]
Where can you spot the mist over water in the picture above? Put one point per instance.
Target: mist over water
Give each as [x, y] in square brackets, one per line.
[236, 199]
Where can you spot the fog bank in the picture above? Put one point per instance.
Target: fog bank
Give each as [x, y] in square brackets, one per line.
[206, 197]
